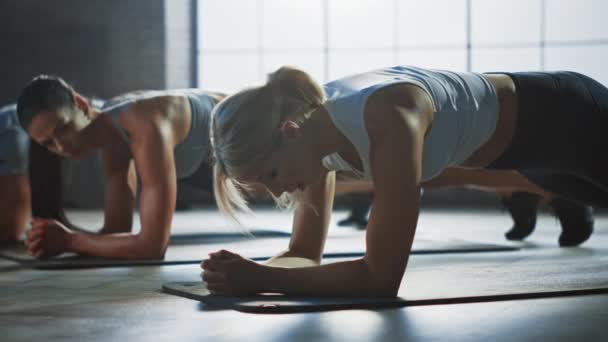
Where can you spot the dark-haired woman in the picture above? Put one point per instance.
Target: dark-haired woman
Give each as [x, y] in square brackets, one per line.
[152, 138]
[32, 182]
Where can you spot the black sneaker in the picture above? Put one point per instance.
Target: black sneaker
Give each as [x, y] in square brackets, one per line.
[576, 220]
[350, 221]
[523, 207]
[359, 203]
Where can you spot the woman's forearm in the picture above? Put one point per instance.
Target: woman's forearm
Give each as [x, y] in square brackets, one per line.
[346, 278]
[120, 245]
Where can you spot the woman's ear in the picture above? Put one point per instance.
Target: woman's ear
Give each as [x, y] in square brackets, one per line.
[81, 103]
[290, 130]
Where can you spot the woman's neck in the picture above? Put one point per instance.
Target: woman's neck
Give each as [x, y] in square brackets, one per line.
[324, 134]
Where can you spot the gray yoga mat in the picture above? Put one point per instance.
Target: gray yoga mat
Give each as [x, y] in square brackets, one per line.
[185, 252]
[449, 284]
[217, 237]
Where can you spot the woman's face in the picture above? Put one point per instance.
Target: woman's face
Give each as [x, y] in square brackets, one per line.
[60, 131]
[292, 166]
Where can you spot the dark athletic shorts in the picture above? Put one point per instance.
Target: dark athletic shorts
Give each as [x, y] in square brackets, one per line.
[561, 136]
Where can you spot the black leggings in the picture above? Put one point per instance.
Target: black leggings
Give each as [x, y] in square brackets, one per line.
[561, 136]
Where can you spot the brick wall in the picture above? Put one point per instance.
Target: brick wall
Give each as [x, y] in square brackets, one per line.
[102, 47]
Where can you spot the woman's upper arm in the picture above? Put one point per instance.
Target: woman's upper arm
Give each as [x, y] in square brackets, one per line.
[152, 148]
[396, 162]
[397, 119]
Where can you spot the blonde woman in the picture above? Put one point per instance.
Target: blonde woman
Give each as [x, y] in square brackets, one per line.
[399, 128]
[152, 138]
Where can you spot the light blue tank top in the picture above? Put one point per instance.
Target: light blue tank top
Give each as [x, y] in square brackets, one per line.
[14, 142]
[195, 148]
[466, 114]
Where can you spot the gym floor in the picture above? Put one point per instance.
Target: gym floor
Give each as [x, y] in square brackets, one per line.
[126, 303]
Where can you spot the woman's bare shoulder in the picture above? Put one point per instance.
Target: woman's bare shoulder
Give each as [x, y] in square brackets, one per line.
[395, 105]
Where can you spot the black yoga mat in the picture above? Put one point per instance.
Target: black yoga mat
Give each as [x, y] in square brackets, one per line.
[449, 284]
[186, 250]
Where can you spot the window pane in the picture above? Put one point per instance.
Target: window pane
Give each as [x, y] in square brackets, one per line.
[292, 24]
[343, 63]
[588, 60]
[431, 22]
[449, 59]
[500, 21]
[216, 26]
[361, 23]
[575, 20]
[228, 72]
[511, 59]
[311, 62]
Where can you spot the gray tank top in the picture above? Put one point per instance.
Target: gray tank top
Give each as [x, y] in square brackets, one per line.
[14, 142]
[195, 148]
[466, 114]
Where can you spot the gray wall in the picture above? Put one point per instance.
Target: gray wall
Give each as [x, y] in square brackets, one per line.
[102, 47]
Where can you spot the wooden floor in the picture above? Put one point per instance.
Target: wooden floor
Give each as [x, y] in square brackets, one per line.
[117, 304]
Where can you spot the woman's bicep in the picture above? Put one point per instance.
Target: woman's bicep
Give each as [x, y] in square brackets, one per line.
[153, 155]
[396, 172]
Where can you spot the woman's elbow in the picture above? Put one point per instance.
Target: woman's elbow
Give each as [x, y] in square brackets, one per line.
[385, 288]
[152, 250]
[388, 291]
[383, 283]
[153, 254]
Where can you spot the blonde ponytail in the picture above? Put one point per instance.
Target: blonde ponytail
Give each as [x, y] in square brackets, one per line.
[245, 126]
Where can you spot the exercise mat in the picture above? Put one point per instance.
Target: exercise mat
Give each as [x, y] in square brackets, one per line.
[262, 248]
[465, 282]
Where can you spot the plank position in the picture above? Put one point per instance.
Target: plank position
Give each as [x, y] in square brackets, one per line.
[398, 128]
[149, 137]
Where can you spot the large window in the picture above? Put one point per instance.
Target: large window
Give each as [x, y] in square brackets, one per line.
[240, 41]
